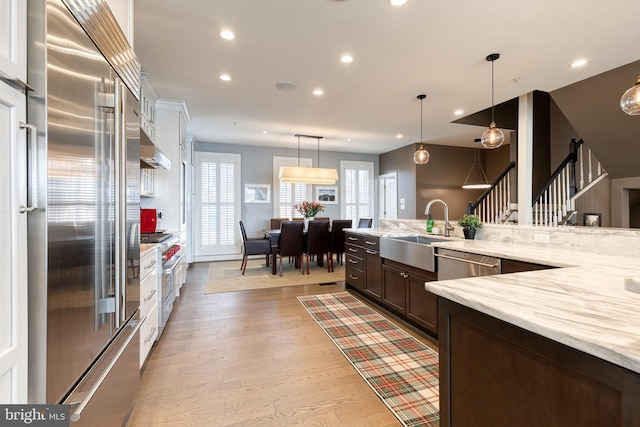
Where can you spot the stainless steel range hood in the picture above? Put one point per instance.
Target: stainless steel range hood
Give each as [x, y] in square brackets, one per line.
[150, 155]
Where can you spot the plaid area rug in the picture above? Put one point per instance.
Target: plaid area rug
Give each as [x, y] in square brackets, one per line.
[400, 369]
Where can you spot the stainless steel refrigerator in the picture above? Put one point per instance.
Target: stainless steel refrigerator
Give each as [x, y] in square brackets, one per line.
[83, 228]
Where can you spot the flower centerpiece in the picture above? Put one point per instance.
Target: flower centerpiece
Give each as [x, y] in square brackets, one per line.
[308, 209]
[469, 224]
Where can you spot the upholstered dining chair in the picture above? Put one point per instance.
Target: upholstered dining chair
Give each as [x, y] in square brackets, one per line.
[365, 222]
[275, 223]
[337, 237]
[253, 246]
[319, 243]
[291, 243]
[321, 218]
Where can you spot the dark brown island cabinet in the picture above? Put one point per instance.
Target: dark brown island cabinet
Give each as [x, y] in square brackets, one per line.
[396, 287]
[493, 373]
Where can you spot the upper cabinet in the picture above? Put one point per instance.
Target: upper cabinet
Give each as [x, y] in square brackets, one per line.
[148, 98]
[122, 10]
[13, 40]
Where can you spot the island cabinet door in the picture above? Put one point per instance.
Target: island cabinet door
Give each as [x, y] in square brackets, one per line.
[422, 306]
[394, 288]
[373, 283]
[493, 373]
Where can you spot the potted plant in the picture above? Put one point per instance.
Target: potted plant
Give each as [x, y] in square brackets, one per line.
[469, 223]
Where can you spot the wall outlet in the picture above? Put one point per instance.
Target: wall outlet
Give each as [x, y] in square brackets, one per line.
[541, 237]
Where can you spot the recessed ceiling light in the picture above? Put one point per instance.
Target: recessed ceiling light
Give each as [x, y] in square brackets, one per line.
[227, 35]
[318, 92]
[399, 136]
[397, 2]
[458, 112]
[346, 59]
[225, 77]
[265, 132]
[579, 63]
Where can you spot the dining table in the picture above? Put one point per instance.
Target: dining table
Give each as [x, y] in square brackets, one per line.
[274, 237]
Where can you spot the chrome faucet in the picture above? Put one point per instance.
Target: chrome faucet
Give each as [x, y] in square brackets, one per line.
[447, 227]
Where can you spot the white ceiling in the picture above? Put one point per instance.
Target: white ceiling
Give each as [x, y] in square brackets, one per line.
[437, 48]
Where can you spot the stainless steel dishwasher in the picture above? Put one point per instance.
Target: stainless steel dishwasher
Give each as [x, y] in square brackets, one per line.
[458, 265]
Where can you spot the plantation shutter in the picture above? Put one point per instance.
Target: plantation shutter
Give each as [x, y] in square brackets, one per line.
[218, 183]
[357, 188]
[288, 194]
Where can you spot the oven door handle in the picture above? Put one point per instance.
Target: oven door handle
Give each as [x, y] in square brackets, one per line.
[169, 266]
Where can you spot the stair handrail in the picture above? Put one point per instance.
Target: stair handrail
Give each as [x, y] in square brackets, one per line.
[472, 206]
[572, 158]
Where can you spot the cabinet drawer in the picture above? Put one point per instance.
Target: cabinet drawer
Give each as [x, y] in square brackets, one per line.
[354, 250]
[354, 277]
[148, 292]
[355, 262]
[370, 242]
[354, 239]
[148, 333]
[148, 263]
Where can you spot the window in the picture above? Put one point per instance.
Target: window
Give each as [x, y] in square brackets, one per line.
[217, 204]
[287, 194]
[357, 190]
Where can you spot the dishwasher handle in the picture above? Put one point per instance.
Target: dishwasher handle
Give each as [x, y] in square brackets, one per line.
[468, 261]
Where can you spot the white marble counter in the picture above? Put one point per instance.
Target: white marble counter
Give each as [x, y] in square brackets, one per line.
[146, 247]
[583, 304]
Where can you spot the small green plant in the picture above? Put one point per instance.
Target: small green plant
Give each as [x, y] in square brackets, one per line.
[470, 222]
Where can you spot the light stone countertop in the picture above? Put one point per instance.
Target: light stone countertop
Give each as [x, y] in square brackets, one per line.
[582, 304]
[146, 247]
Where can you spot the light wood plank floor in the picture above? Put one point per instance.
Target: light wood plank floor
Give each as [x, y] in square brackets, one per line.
[251, 358]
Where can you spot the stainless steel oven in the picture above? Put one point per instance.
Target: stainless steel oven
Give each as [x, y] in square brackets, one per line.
[172, 255]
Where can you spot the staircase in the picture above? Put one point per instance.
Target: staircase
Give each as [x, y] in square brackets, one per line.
[554, 205]
[494, 205]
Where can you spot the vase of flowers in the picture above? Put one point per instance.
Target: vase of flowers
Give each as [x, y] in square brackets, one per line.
[308, 210]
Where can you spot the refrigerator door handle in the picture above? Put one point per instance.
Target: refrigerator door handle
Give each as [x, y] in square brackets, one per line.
[120, 261]
[33, 166]
[80, 405]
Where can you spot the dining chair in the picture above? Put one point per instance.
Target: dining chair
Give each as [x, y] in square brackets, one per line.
[253, 246]
[365, 222]
[291, 243]
[321, 218]
[319, 243]
[337, 237]
[275, 223]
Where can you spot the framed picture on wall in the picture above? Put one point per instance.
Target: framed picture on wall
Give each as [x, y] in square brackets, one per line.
[592, 220]
[327, 195]
[257, 193]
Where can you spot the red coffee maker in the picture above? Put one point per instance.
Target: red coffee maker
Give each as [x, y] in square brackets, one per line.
[148, 220]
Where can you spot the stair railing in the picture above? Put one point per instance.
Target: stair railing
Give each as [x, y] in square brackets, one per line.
[494, 205]
[555, 204]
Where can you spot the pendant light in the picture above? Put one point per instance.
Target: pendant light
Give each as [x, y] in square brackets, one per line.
[476, 179]
[421, 157]
[630, 101]
[302, 175]
[492, 137]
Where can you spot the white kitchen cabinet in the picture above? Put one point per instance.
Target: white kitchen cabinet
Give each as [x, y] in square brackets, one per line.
[147, 182]
[148, 98]
[149, 298]
[171, 124]
[13, 39]
[13, 231]
[13, 196]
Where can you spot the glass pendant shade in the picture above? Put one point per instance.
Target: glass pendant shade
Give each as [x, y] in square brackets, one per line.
[421, 156]
[492, 137]
[630, 101]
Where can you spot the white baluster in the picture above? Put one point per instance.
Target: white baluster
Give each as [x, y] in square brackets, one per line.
[590, 168]
[581, 168]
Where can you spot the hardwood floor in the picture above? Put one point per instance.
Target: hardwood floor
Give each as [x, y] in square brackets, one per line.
[251, 358]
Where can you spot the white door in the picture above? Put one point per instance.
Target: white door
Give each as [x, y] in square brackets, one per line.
[388, 195]
[13, 263]
[13, 36]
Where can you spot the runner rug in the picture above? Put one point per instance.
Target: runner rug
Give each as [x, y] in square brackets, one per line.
[400, 369]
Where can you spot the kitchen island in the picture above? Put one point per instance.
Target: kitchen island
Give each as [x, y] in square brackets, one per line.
[552, 347]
